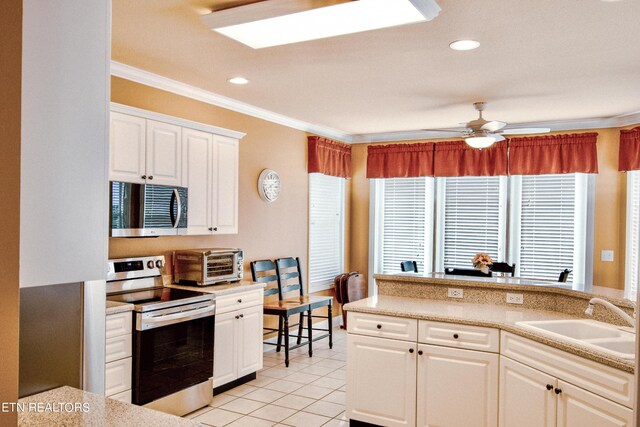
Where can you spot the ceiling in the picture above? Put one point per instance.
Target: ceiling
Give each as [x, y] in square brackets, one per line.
[539, 61]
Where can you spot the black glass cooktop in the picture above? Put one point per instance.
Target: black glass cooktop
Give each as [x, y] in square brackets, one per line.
[158, 298]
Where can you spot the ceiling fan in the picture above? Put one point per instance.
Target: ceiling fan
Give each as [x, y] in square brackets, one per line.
[481, 133]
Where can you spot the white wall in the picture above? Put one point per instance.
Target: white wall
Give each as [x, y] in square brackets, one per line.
[64, 199]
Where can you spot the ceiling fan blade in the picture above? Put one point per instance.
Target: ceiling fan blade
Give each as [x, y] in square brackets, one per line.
[524, 131]
[493, 126]
[446, 130]
[498, 137]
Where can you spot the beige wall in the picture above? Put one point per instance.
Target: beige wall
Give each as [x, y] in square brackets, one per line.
[10, 86]
[265, 230]
[274, 230]
[610, 206]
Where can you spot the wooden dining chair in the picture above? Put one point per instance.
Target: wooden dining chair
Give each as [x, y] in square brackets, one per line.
[290, 279]
[264, 271]
[411, 266]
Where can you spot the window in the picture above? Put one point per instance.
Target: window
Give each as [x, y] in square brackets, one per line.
[471, 219]
[540, 223]
[326, 230]
[406, 206]
[549, 225]
[632, 276]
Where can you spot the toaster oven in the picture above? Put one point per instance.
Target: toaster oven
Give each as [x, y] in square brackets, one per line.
[203, 267]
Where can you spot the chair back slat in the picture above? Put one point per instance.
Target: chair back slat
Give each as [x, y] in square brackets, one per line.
[409, 266]
[293, 277]
[264, 271]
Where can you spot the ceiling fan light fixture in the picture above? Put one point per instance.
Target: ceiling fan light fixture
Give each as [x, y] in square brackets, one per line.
[464, 44]
[263, 24]
[480, 142]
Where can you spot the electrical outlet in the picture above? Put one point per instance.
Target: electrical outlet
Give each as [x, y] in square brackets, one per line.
[606, 255]
[455, 293]
[515, 299]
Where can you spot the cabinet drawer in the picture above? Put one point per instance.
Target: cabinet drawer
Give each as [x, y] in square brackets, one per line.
[125, 396]
[459, 336]
[117, 376]
[399, 328]
[227, 303]
[118, 324]
[118, 348]
[600, 379]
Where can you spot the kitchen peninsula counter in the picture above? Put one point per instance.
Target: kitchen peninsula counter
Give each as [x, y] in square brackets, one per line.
[92, 410]
[425, 297]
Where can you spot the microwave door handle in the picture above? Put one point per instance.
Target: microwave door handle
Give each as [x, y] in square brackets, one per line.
[179, 199]
[174, 198]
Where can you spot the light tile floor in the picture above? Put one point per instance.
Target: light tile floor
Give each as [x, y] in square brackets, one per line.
[309, 393]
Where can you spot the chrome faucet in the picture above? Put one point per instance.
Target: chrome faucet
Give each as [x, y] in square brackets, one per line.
[593, 301]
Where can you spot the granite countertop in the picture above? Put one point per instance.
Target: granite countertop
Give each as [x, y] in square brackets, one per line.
[56, 408]
[114, 307]
[509, 283]
[494, 316]
[220, 289]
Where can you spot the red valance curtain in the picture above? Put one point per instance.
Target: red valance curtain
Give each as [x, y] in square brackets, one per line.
[456, 158]
[329, 157]
[629, 154]
[400, 160]
[553, 154]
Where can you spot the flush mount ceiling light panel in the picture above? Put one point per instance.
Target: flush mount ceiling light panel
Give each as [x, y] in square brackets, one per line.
[279, 22]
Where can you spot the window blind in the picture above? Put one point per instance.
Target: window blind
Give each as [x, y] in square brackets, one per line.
[632, 276]
[471, 219]
[404, 204]
[326, 231]
[547, 232]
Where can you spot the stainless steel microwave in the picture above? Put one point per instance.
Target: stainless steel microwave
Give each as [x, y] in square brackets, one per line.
[142, 210]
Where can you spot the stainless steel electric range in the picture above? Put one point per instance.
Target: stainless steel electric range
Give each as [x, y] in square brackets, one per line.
[173, 332]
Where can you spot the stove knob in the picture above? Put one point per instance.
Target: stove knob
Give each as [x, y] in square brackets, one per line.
[150, 264]
[159, 264]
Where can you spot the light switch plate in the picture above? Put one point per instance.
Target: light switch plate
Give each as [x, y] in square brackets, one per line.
[606, 255]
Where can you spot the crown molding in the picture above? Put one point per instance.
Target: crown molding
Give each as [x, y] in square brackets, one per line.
[159, 82]
[147, 78]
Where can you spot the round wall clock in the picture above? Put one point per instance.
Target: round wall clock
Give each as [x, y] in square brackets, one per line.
[269, 185]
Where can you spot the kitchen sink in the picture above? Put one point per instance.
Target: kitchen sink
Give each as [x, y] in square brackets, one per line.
[597, 335]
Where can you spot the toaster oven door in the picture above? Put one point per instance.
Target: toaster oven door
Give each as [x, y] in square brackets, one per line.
[220, 267]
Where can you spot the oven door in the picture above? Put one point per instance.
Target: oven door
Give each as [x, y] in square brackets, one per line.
[173, 350]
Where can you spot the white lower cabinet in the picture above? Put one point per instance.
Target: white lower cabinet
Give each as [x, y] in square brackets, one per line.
[381, 380]
[394, 382]
[457, 388]
[118, 350]
[237, 349]
[531, 398]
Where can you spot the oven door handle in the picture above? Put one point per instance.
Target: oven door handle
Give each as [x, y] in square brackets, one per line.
[168, 319]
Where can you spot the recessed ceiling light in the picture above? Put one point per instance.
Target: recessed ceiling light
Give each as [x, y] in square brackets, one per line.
[238, 81]
[464, 45]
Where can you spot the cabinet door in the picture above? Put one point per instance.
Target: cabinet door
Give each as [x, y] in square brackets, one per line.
[457, 388]
[224, 216]
[197, 177]
[525, 398]
[381, 381]
[224, 348]
[127, 148]
[250, 341]
[580, 408]
[164, 154]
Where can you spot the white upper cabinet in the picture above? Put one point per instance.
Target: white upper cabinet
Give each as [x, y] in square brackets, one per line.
[151, 148]
[164, 154]
[127, 148]
[225, 186]
[144, 151]
[198, 155]
[211, 162]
